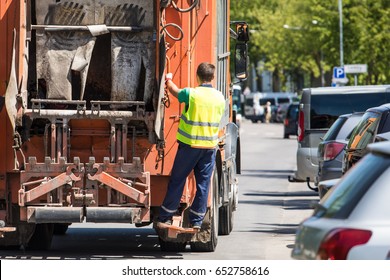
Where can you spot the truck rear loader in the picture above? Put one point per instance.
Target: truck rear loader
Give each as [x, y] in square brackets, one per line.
[87, 127]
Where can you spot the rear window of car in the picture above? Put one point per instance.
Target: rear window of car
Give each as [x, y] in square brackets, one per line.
[263, 101]
[343, 198]
[365, 131]
[334, 129]
[325, 109]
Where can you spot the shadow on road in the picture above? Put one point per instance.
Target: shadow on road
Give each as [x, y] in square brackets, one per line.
[98, 244]
[263, 173]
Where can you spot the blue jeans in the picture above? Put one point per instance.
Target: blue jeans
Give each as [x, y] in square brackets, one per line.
[187, 159]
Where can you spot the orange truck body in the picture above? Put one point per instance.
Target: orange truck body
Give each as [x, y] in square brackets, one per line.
[87, 128]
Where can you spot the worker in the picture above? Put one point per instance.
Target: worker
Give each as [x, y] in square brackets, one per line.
[197, 137]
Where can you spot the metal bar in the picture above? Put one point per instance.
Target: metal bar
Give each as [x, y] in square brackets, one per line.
[133, 143]
[48, 113]
[117, 102]
[124, 141]
[34, 182]
[121, 187]
[55, 101]
[44, 188]
[65, 139]
[53, 141]
[113, 143]
[50, 28]
[48, 214]
[118, 143]
[58, 142]
[113, 215]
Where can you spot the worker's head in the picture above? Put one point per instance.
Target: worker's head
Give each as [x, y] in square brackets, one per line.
[205, 72]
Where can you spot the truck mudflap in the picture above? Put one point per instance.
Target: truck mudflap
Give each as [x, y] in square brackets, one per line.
[69, 192]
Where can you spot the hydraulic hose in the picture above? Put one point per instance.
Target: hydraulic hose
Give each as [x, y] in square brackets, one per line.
[193, 5]
[164, 29]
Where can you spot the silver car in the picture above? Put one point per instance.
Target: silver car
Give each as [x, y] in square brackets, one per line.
[331, 148]
[318, 110]
[352, 220]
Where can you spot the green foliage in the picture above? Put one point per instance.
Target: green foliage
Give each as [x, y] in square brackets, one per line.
[312, 39]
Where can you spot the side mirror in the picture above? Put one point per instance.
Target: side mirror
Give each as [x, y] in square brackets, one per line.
[242, 32]
[241, 61]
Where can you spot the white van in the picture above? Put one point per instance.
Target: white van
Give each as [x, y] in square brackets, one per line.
[255, 103]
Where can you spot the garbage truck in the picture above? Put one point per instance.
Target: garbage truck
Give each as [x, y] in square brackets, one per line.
[88, 128]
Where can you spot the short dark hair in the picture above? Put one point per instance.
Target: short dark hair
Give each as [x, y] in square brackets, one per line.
[205, 71]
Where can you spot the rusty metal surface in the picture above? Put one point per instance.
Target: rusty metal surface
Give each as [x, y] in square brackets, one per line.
[114, 183]
[48, 186]
[49, 214]
[67, 55]
[12, 89]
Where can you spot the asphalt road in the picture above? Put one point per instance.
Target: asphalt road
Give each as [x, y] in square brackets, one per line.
[270, 209]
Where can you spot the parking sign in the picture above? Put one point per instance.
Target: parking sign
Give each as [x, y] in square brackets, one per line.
[338, 72]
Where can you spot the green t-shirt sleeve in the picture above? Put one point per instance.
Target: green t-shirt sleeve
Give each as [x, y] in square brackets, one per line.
[184, 96]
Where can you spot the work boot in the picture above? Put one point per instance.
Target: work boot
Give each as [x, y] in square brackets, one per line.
[196, 225]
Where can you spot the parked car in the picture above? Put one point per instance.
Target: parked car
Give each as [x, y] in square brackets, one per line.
[374, 121]
[281, 112]
[319, 108]
[291, 120]
[352, 220]
[331, 148]
[325, 185]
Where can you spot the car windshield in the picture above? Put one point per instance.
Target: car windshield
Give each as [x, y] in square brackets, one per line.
[342, 199]
[334, 129]
[364, 132]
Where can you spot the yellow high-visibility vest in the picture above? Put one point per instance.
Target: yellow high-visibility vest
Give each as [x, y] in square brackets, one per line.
[199, 125]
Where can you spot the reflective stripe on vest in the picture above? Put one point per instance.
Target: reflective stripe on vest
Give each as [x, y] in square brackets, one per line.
[199, 125]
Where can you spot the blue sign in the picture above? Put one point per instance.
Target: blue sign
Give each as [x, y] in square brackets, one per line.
[338, 72]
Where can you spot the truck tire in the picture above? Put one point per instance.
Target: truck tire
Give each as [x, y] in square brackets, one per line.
[226, 219]
[212, 224]
[225, 211]
[42, 237]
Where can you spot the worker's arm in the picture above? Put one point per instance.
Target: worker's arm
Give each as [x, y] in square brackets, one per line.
[173, 89]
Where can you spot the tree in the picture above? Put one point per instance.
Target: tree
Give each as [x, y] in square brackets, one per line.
[309, 46]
